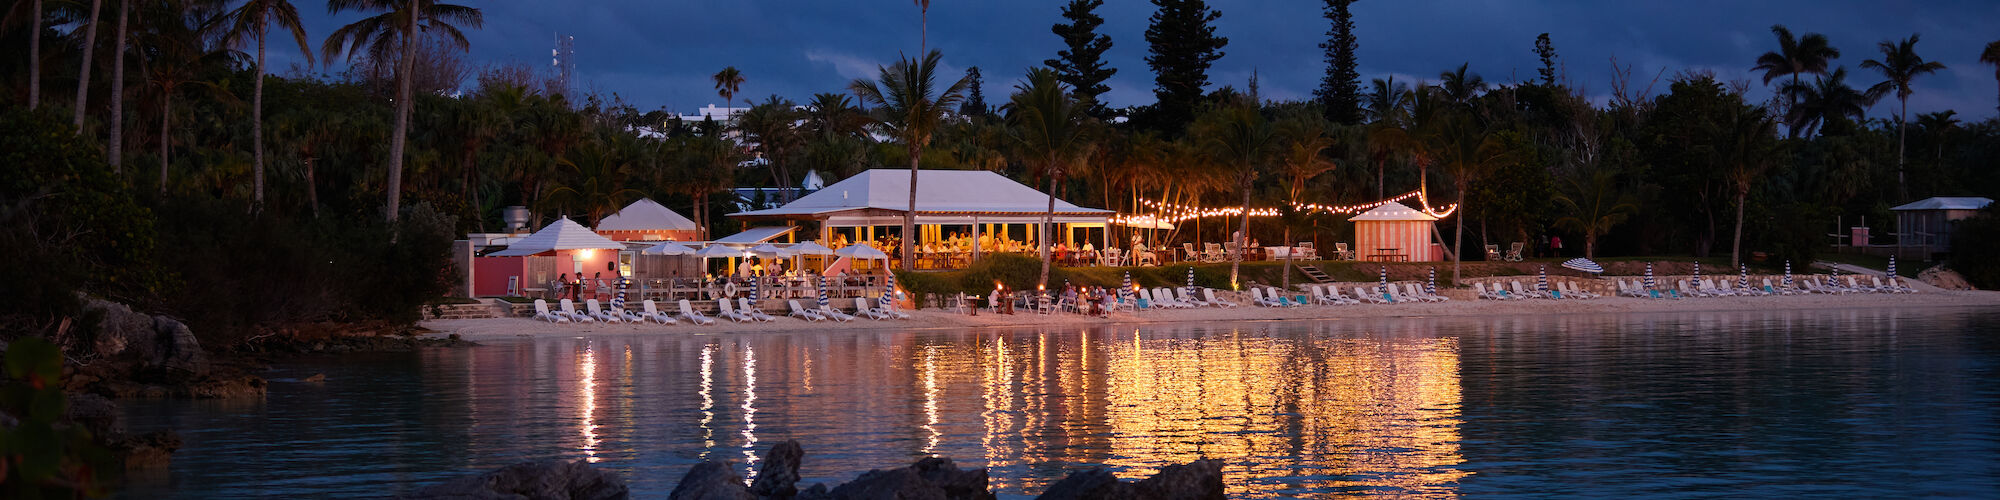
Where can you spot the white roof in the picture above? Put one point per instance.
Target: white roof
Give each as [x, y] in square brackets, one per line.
[1393, 211]
[1948, 203]
[970, 191]
[756, 235]
[564, 234]
[645, 215]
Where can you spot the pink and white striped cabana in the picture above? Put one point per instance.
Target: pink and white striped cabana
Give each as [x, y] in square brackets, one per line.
[1395, 232]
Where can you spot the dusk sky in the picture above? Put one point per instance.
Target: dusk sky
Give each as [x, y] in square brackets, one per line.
[661, 54]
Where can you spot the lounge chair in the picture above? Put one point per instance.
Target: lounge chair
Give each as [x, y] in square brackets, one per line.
[1854, 284]
[542, 313]
[1895, 287]
[1164, 298]
[601, 313]
[652, 313]
[803, 313]
[888, 308]
[1480, 290]
[1187, 296]
[1771, 290]
[861, 309]
[693, 316]
[1209, 293]
[1257, 297]
[569, 309]
[630, 315]
[1418, 293]
[1334, 291]
[744, 307]
[1279, 295]
[1524, 292]
[833, 314]
[1372, 298]
[728, 311]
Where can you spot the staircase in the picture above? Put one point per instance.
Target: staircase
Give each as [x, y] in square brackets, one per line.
[1314, 273]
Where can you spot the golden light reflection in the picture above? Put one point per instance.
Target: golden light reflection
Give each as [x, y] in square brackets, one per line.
[588, 388]
[750, 412]
[707, 399]
[930, 400]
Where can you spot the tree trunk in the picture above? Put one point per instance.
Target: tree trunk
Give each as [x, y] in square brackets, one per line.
[1458, 236]
[257, 123]
[35, 59]
[166, 113]
[1285, 281]
[1736, 249]
[910, 217]
[1242, 235]
[116, 151]
[312, 189]
[1902, 131]
[404, 68]
[1048, 221]
[83, 75]
[1590, 244]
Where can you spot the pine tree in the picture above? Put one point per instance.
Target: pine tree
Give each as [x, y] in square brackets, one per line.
[975, 100]
[1182, 46]
[1340, 91]
[1546, 50]
[1082, 64]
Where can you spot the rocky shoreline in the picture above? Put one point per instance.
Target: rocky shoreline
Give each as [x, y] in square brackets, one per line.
[927, 478]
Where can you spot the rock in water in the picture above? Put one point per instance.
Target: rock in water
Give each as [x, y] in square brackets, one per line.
[929, 478]
[780, 476]
[712, 480]
[177, 349]
[553, 479]
[957, 484]
[1198, 480]
[1088, 484]
[152, 341]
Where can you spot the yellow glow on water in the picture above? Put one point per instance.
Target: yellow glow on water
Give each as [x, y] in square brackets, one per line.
[707, 399]
[930, 400]
[588, 388]
[750, 412]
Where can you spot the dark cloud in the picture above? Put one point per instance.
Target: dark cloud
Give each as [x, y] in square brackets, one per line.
[660, 54]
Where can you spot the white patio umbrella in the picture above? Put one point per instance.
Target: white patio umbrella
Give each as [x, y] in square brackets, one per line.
[861, 252]
[714, 251]
[810, 248]
[769, 250]
[668, 248]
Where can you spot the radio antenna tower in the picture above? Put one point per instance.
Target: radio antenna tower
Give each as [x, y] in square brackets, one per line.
[562, 59]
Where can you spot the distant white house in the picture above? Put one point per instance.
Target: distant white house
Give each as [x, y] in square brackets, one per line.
[722, 115]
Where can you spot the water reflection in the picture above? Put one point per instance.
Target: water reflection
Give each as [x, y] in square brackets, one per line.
[1752, 403]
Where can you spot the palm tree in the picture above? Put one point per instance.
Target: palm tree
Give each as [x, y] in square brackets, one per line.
[1750, 150]
[1900, 64]
[1595, 205]
[771, 126]
[393, 31]
[1301, 140]
[1808, 55]
[1468, 152]
[1389, 102]
[1460, 86]
[727, 83]
[834, 115]
[1989, 56]
[116, 149]
[910, 107]
[32, 10]
[1237, 136]
[83, 75]
[924, 28]
[251, 21]
[1826, 99]
[1050, 128]
[177, 55]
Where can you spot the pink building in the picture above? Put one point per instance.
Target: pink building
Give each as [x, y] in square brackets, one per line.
[1395, 232]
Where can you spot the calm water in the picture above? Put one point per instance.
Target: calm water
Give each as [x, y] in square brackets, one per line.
[1872, 403]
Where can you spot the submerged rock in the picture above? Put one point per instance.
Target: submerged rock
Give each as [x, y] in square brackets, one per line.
[936, 478]
[780, 476]
[1197, 480]
[552, 479]
[712, 480]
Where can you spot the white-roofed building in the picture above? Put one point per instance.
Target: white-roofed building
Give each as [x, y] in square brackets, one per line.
[1395, 232]
[647, 220]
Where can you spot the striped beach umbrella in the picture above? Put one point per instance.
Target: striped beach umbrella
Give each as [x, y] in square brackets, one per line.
[889, 286]
[1697, 271]
[1542, 279]
[1892, 267]
[1431, 282]
[1788, 274]
[1126, 289]
[755, 285]
[824, 301]
[1743, 276]
[1649, 275]
[624, 283]
[1385, 279]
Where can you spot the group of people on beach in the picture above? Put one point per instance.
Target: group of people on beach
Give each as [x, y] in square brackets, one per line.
[594, 287]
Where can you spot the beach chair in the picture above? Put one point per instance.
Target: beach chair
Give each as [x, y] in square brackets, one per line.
[1340, 252]
[601, 313]
[1283, 299]
[1493, 252]
[1369, 297]
[1514, 252]
[1854, 284]
[630, 316]
[888, 308]
[801, 312]
[1480, 289]
[1411, 291]
[861, 308]
[833, 314]
[542, 313]
[1169, 295]
[1186, 296]
[1771, 290]
[1575, 290]
[569, 310]
[652, 313]
[1209, 293]
[1257, 297]
[1395, 294]
[1525, 293]
[1334, 291]
[1894, 286]
[693, 316]
[728, 311]
[744, 307]
[1153, 298]
[1163, 298]
[1708, 288]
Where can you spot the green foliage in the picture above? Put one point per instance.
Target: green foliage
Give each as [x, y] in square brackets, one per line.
[40, 456]
[1339, 92]
[1182, 45]
[1973, 246]
[1081, 64]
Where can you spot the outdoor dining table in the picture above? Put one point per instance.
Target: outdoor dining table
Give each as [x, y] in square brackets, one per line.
[1389, 254]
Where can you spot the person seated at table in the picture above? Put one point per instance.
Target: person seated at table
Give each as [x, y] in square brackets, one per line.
[1069, 294]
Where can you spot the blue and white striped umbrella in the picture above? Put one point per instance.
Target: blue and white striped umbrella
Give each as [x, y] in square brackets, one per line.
[1126, 289]
[824, 301]
[1583, 264]
[1743, 276]
[889, 287]
[1431, 283]
[1697, 271]
[1788, 274]
[1385, 280]
[1892, 267]
[1649, 276]
[1542, 279]
[618, 302]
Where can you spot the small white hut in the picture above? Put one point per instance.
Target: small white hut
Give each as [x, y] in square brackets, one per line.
[1394, 232]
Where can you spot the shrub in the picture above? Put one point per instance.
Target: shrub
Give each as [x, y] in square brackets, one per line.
[1973, 246]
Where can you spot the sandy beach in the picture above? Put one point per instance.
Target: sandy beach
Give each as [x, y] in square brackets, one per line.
[475, 329]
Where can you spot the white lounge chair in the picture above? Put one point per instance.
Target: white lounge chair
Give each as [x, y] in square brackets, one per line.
[601, 313]
[803, 313]
[728, 311]
[1411, 290]
[744, 307]
[861, 309]
[652, 312]
[833, 314]
[1257, 297]
[1372, 298]
[693, 316]
[543, 313]
[1524, 292]
[1333, 292]
[569, 309]
[1209, 293]
[887, 308]
[1187, 297]
[1895, 286]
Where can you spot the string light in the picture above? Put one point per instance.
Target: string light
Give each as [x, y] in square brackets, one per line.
[1175, 213]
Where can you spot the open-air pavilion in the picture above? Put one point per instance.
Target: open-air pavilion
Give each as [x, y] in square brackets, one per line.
[955, 208]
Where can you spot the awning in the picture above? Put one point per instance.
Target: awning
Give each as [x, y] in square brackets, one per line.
[564, 234]
[756, 235]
